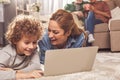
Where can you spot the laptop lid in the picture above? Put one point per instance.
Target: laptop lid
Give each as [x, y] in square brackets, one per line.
[71, 60]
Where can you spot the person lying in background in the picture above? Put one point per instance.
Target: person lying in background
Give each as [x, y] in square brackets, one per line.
[99, 12]
[62, 33]
[20, 59]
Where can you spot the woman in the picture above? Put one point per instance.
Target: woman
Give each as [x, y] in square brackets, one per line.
[62, 33]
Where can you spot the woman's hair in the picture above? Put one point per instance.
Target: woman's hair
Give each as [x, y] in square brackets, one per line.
[23, 25]
[66, 22]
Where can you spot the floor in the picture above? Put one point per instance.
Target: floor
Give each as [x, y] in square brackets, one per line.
[106, 51]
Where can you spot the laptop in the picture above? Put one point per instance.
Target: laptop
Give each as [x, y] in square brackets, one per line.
[71, 60]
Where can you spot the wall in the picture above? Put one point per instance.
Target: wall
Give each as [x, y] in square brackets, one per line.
[1, 33]
[9, 14]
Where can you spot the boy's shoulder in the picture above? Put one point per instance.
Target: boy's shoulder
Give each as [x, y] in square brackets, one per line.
[9, 49]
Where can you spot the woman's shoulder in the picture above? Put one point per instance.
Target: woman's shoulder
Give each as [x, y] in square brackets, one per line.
[78, 40]
[79, 37]
[82, 39]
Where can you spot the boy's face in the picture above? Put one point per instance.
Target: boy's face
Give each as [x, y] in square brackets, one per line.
[26, 45]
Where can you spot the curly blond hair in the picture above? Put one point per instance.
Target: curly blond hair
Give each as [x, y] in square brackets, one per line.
[23, 25]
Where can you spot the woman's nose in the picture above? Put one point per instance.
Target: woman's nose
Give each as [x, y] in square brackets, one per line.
[50, 34]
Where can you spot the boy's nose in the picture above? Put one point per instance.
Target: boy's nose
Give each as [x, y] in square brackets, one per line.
[31, 46]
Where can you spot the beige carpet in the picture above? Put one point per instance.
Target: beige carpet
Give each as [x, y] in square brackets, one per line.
[106, 67]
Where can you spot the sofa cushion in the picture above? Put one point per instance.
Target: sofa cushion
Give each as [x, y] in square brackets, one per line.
[103, 27]
[115, 40]
[102, 40]
[115, 25]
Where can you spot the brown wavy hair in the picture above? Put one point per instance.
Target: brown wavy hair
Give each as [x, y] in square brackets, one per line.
[66, 22]
[23, 25]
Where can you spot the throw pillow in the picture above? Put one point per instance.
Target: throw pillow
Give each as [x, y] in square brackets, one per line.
[115, 13]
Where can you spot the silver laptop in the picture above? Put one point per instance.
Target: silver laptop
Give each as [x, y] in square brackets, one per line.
[66, 61]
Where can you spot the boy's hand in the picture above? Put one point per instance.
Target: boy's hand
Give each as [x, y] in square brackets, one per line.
[36, 74]
[5, 69]
[29, 75]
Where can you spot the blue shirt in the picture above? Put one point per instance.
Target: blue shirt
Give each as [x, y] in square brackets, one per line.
[72, 42]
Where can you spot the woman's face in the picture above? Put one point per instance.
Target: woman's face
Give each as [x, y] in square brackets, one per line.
[57, 35]
[26, 45]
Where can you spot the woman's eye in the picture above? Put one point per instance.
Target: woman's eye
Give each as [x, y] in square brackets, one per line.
[55, 32]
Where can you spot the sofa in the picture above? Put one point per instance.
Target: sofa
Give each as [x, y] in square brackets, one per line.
[114, 27]
[107, 35]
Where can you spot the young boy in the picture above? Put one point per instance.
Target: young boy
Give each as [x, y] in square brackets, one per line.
[20, 59]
